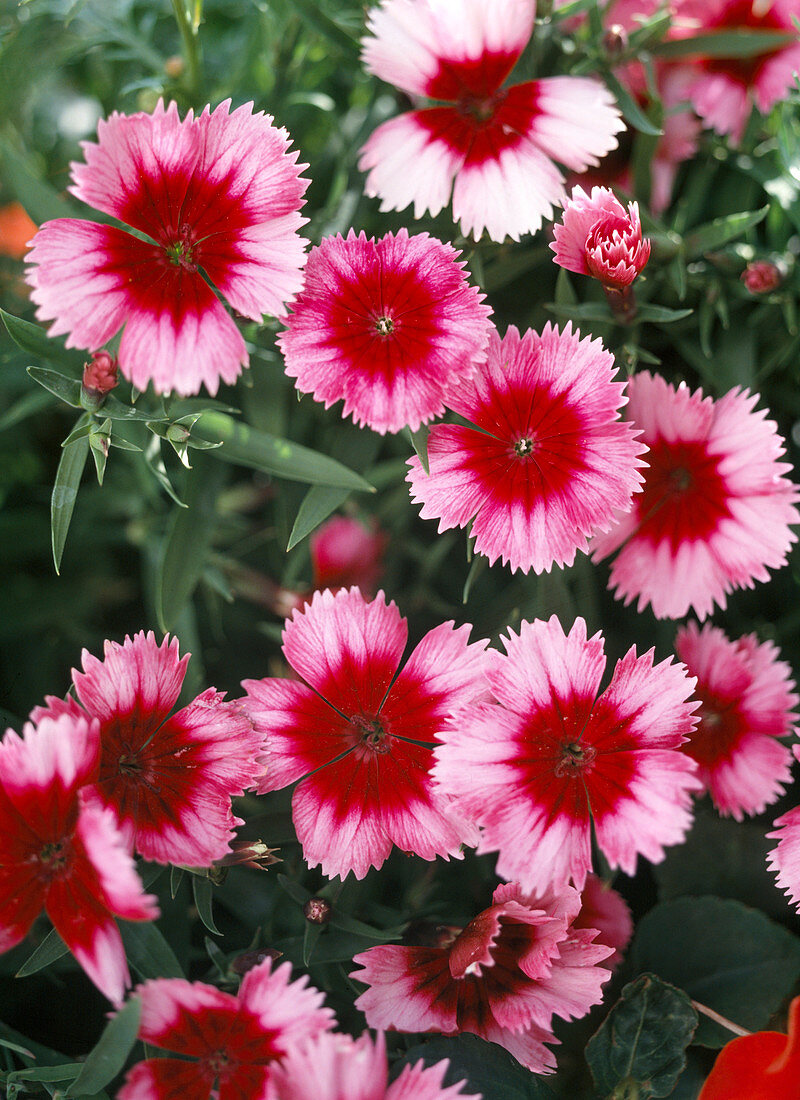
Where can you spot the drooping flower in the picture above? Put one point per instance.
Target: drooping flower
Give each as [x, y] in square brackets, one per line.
[390, 326]
[552, 760]
[715, 510]
[761, 1066]
[605, 909]
[723, 89]
[168, 778]
[361, 732]
[61, 853]
[503, 977]
[338, 1067]
[746, 695]
[346, 552]
[234, 1043]
[494, 147]
[218, 195]
[598, 237]
[548, 460]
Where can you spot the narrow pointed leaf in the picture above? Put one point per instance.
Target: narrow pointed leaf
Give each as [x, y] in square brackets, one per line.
[147, 950]
[738, 43]
[324, 25]
[112, 1050]
[187, 544]
[65, 493]
[35, 341]
[419, 441]
[203, 893]
[66, 389]
[631, 110]
[317, 505]
[713, 235]
[51, 948]
[66, 1072]
[660, 315]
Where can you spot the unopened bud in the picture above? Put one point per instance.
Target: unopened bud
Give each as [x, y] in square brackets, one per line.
[174, 67]
[249, 853]
[317, 911]
[615, 41]
[762, 276]
[248, 959]
[99, 378]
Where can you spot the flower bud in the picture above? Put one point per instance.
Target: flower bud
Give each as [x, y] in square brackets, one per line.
[615, 41]
[599, 237]
[317, 911]
[100, 374]
[248, 959]
[762, 276]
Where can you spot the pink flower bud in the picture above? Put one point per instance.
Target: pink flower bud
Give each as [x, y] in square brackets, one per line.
[762, 276]
[346, 552]
[598, 237]
[100, 375]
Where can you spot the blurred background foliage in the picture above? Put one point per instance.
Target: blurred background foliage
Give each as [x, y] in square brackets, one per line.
[215, 572]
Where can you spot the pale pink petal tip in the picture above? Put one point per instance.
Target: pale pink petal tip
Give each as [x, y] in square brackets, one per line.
[598, 237]
[219, 195]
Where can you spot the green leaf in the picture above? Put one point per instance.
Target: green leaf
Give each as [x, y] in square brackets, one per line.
[51, 948]
[744, 968]
[643, 1040]
[565, 291]
[35, 341]
[419, 441]
[65, 493]
[117, 410]
[175, 879]
[631, 110]
[147, 950]
[41, 201]
[486, 1068]
[316, 506]
[64, 388]
[261, 451]
[478, 566]
[660, 315]
[28, 405]
[587, 311]
[203, 893]
[324, 25]
[66, 1072]
[111, 1052]
[738, 43]
[713, 235]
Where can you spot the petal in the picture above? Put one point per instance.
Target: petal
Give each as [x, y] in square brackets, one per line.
[166, 1079]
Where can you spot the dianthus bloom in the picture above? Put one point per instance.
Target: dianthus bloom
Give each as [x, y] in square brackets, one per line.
[219, 195]
[234, 1043]
[715, 510]
[723, 89]
[168, 778]
[60, 852]
[746, 702]
[494, 147]
[598, 237]
[362, 732]
[606, 910]
[337, 1067]
[551, 761]
[346, 552]
[390, 326]
[761, 1066]
[504, 977]
[549, 458]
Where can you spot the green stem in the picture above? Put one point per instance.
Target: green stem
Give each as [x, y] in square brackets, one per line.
[188, 25]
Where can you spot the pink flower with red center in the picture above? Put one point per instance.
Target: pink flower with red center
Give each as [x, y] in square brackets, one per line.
[604, 909]
[227, 1047]
[390, 326]
[503, 977]
[715, 510]
[62, 853]
[217, 195]
[598, 237]
[338, 1067]
[493, 147]
[346, 552]
[554, 760]
[168, 778]
[362, 732]
[548, 460]
[723, 89]
[746, 699]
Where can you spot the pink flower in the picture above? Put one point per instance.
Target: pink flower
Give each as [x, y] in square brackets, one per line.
[746, 697]
[345, 552]
[598, 237]
[337, 1067]
[552, 760]
[715, 509]
[361, 732]
[100, 374]
[494, 147]
[785, 858]
[605, 909]
[503, 977]
[168, 778]
[218, 193]
[762, 277]
[234, 1043]
[723, 89]
[390, 326]
[62, 853]
[548, 460]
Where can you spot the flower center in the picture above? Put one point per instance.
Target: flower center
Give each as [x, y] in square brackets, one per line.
[574, 758]
[523, 447]
[180, 251]
[384, 326]
[52, 859]
[481, 108]
[373, 735]
[129, 765]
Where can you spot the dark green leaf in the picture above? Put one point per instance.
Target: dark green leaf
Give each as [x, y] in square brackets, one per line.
[358, 928]
[111, 1052]
[175, 878]
[51, 948]
[117, 410]
[66, 1072]
[311, 939]
[65, 493]
[28, 405]
[713, 235]
[261, 451]
[486, 1068]
[147, 950]
[631, 110]
[643, 1040]
[203, 893]
[295, 891]
[660, 315]
[316, 506]
[738, 43]
[419, 441]
[587, 311]
[324, 25]
[743, 969]
[66, 389]
[35, 341]
[478, 566]
[565, 291]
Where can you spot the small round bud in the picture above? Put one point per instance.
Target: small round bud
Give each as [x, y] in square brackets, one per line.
[762, 276]
[174, 67]
[615, 41]
[317, 911]
[248, 959]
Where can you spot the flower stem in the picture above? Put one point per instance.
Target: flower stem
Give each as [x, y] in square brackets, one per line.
[188, 25]
[622, 302]
[721, 1020]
